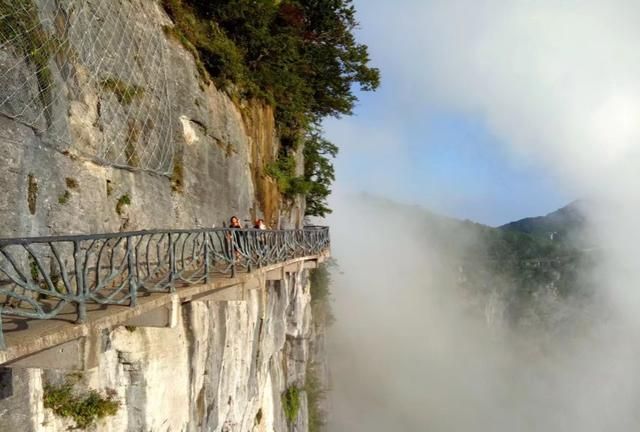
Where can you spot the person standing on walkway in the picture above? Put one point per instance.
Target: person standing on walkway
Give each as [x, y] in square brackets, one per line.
[234, 222]
[233, 238]
[259, 224]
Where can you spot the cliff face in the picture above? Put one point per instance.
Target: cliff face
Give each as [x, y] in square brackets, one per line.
[223, 368]
[120, 109]
[116, 129]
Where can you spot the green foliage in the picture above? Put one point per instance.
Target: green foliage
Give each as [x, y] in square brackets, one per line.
[298, 55]
[33, 269]
[521, 272]
[522, 266]
[175, 33]
[291, 403]
[302, 55]
[122, 201]
[20, 26]
[124, 92]
[320, 283]
[64, 198]
[316, 394]
[83, 408]
[283, 170]
[216, 55]
[319, 173]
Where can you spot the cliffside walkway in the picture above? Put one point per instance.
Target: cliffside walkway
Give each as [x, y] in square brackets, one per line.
[58, 293]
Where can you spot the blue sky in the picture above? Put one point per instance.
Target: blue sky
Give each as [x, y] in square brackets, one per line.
[425, 150]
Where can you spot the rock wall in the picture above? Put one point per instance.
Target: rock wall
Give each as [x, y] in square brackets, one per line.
[57, 176]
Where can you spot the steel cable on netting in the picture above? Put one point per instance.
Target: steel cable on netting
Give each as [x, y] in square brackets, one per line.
[105, 53]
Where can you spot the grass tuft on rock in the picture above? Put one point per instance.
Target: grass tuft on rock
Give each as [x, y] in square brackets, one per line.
[291, 403]
[64, 198]
[21, 27]
[32, 193]
[125, 93]
[85, 409]
[124, 200]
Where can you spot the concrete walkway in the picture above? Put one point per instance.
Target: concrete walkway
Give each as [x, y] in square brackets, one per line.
[61, 343]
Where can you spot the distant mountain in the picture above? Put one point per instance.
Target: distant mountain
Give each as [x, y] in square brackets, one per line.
[521, 262]
[562, 224]
[505, 247]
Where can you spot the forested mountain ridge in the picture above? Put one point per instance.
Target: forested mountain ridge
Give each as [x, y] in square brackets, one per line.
[517, 263]
[535, 264]
[563, 223]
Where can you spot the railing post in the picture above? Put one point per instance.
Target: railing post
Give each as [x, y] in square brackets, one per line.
[172, 264]
[81, 289]
[133, 283]
[3, 345]
[248, 246]
[206, 256]
[233, 253]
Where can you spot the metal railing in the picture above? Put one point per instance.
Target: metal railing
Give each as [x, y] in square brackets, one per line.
[41, 276]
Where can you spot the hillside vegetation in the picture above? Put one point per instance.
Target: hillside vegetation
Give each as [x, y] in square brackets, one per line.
[300, 56]
[527, 271]
[562, 225]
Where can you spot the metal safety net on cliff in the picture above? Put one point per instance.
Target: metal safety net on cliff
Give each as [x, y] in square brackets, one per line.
[90, 77]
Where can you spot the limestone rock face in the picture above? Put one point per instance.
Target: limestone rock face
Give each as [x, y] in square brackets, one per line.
[223, 368]
[126, 112]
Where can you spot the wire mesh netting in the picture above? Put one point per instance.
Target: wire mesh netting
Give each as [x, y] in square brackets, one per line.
[102, 56]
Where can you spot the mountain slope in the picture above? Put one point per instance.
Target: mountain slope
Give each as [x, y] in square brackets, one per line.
[517, 263]
[564, 223]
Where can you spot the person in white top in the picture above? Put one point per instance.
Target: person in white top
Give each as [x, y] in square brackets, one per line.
[259, 224]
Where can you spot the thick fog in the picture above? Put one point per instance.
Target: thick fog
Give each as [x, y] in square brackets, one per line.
[558, 82]
[412, 351]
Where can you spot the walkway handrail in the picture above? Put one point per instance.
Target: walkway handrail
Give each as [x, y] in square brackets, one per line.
[39, 276]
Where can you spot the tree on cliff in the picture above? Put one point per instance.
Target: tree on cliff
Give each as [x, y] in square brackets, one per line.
[319, 172]
[299, 55]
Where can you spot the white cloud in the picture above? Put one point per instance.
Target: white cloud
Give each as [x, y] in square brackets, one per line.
[558, 81]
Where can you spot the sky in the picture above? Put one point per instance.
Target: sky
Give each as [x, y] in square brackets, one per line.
[412, 144]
